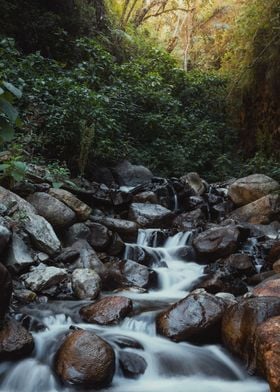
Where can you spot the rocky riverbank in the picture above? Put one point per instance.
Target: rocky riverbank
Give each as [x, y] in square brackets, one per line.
[77, 243]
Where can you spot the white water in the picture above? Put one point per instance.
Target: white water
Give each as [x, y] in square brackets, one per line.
[180, 367]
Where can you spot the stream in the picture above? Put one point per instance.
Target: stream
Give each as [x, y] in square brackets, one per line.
[180, 367]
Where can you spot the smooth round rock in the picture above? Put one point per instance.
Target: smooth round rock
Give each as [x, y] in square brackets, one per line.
[85, 360]
[15, 341]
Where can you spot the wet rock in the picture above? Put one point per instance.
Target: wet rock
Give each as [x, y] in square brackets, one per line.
[19, 257]
[260, 277]
[5, 236]
[241, 321]
[274, 253]
[53, 210]
[116, 246]
[261, 211]
[131, 175]
[100, 237]
[228, 298]
[126, 342]
[6, 288]
[267, 348]
[67, 256]
[268, 288]
[241, 262]
[15, 341]
[194, 318]
[85, 360]
[25, 296]
[133, 365]
[126, 229]
[42, 234]
[108, 310]
[81, 209]
[248, 189]
[43, 277]
[217, 242]
[88, 257]
[76, 232]
[126, 273]
[276, 267]
[120, 198]
[189, 220]
[224, 281]
[145, 197]
[86, 283]
[150, 215]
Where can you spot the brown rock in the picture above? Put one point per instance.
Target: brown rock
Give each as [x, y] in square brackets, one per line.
[215, 243]
[81, 209]
[241, 321]
[15, 341]
[268, 351]
[269, 288]
[248, 189]
[276, 267]
[274, 253]
[261, 211]
[86, 360]
[108, 310]
[196, 317]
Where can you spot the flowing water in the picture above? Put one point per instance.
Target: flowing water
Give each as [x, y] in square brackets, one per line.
[181, 367]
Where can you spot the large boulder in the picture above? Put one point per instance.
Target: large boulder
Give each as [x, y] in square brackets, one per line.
[53, 210]
[126, 273]
[241, 321]
[150, 215]
[81, 209]
[19, 257]
[39, 230]
[217, 242]
[43, 277]
[131, 175]
[85, 360]
[108, 310]
[6, 288]
[248, 189]
[126, 229]
[267, 348]
[268, 288]
[194, 318]
[261, 211]
[86, 283]
[15, 341]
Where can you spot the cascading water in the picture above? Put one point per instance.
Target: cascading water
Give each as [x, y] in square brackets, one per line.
[171, 366]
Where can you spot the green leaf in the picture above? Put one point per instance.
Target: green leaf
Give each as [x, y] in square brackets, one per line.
[8, 110]
[14, 90]
[7, 132]
[4, 167]
[20, 166]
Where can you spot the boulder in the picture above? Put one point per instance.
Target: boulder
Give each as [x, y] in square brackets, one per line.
[132, 365]
[126, 273]
[86, 283]
[76, 232]
[267, 348]
[15, 341]
[19, 257]
[88, 257]
[268, 288]
[217, 242]
[100, 237]
[81, 209]
[189, 220]
[85, 360]
[274, 253]
[276, 267]
[37, 227]
[5, 236]
[241, 321]
[198, 185]
[126, 229]
[116, 246]
[194, 318]
[108, 310]
[131, 175]
[150, 215]
[53, 210]
[43, 277]
[261, 211]
[248, 189]
[6, 288]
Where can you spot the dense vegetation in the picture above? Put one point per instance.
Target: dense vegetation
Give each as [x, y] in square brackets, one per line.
[95, 91]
